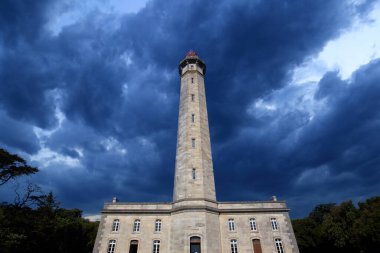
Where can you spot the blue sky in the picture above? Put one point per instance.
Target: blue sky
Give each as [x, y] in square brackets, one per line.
[89, 93]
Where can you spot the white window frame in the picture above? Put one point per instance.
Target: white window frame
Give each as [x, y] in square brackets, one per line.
[274, 224]
[156, 246]
[115, 225]
[157, 225]
[234, 246]
[279, 246]
[111, 246]
[253, 224]
[136, 225]
[231, 225]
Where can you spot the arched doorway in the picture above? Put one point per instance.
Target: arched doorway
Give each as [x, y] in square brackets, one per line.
[133, 247]
[195, 244]
[256, 246]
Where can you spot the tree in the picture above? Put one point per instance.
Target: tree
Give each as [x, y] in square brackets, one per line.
[29, 197]
[367, 226]
[12, 166]
[321, 212]
[337, 228]
[340, 228]
[309, 234]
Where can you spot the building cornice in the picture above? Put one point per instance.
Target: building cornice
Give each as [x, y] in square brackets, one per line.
[189, 208]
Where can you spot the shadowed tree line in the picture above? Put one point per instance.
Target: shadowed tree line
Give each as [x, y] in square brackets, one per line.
[34, 222]
[340, 228]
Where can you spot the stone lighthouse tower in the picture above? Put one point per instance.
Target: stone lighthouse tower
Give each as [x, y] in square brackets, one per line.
[194, 176]
[197, 221]
[194, 221]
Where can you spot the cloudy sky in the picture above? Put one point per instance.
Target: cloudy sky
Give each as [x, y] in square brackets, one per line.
[89, 93]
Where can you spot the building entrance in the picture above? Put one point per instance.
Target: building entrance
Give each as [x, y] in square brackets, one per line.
[133, 247]
[256, 246]
[195, 244]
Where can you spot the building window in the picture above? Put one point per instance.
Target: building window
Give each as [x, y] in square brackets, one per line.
[274, 224]
[252, 224]
[115, 225]
[192, 97]
[157, 226]
[192, 80]
[193, 143]
[234, 246]
[156, 246]
[279, 247]
[193, 174]
[192, 118]
[136, 226]
[231, 224]
[111, 246]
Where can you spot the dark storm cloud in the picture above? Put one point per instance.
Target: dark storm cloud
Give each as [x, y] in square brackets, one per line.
[345, 135]
[335, 151]
[16, 135]
[106, 87]
[22, 20]
[27, 88]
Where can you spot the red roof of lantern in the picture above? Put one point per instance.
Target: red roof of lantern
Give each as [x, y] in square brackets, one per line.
[191, 53]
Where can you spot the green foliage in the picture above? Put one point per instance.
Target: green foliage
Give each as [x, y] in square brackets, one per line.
[47, 228]
[12, 166]
[367, 226]
[340, 228]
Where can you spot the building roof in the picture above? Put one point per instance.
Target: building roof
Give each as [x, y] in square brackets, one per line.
[191, 54]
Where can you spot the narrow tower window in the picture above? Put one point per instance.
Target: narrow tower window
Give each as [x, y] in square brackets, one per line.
[192, 118]
[136, 226]
[279, 247]
[193, 174]
[111, 246]
[231, 224]
[156, 246]
[252, 224]
[192, 80]
[192, 97]
[234, 246]
[157, 227]
[115, 225]
[274, 224]
[193, 143]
